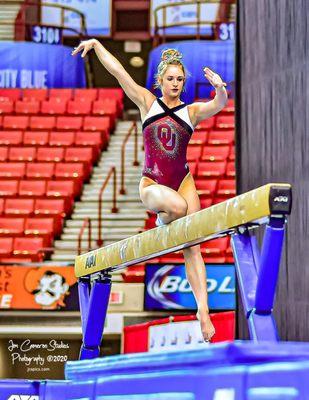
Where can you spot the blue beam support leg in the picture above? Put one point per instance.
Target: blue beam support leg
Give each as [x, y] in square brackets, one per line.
[257, 277]
[94, 315]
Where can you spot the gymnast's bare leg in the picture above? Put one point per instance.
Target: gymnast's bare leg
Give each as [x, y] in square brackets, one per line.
[172, 205]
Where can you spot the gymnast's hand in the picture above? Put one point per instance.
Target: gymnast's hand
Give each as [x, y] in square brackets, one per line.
[207, 327]
[84, 46]
[213, 78]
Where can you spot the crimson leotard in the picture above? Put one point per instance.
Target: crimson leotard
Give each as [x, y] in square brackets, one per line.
[166, 137]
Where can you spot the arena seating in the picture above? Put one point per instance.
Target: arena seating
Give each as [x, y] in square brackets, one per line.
[49, 142]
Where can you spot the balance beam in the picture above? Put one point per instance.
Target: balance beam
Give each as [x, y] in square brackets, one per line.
[257, 272]
[209, 223]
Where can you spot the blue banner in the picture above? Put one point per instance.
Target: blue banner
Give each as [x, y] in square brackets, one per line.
[166, 287]
[197, 54]
[35, 65]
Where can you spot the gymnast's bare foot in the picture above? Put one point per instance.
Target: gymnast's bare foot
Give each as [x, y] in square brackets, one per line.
[207, 327]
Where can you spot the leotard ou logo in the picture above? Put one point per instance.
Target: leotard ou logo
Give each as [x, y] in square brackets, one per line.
[167, 137]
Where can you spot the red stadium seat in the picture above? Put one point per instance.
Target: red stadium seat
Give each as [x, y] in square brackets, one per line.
[210, 169]
[193, 167]
[42, 227]
[62, 94]
[42, 123]
[73, 171]
[113, 93]
[40, 170]
[11, 226]
[79, 107]
[229, 255]
[6, 106]
[6, 246]
[226, 188]
[206, 124]
[62, 138]
[54, 208]
[60, 188]
[214, 250]
[232, 153]
[194, 152]
[69, 170]
[34, 94]
[4, 153]
[215, 153]
[46, 207]
[106, 107]
[221, 137]
[11, 170]
[15, 122]
[219, 199]
[29, 247]
[230, 169]
[96, 124]
[54, 154]
[69, 123]
[36, 138]
[1, 205]
[206, 188]
[19, 207]
[12, 94]
[199, 137]
[205, 202]
[134, 274]
[8, 188]
[86, 94]
[32, 188]
[27, 107]
[93, 139]
[11, 137]
[225, 122]
[80, 154]
[22, 153]
[53, 107]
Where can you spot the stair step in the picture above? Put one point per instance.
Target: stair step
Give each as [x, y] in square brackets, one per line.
[77, 224]
[71, 233]
[93, 214]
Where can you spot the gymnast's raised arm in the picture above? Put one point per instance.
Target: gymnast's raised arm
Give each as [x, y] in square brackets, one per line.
[203, 110]
[138, 94]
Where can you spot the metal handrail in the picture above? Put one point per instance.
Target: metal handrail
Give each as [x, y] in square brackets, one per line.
[114, 209]
[20, 21]
[198, 22]
[135, 162]
[86, 223]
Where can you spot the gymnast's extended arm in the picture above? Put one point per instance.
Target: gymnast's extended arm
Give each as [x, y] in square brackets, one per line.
[139, 95]
[202, 110]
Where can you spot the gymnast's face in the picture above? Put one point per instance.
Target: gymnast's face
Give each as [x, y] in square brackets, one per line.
[172, 81]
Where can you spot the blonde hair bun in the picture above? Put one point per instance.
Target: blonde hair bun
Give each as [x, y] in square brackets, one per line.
[169, 55]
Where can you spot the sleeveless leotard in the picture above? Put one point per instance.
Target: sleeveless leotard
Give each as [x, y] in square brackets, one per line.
[166, 133]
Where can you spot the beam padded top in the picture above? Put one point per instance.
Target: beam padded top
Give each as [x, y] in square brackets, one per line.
[271, 199]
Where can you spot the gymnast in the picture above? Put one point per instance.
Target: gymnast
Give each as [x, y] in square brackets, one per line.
[166, 186]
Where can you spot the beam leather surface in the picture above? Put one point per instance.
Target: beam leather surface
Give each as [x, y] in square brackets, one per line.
[195, 228]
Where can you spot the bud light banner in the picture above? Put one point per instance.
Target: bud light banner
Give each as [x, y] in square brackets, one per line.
[39, 66]
[167, 288]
